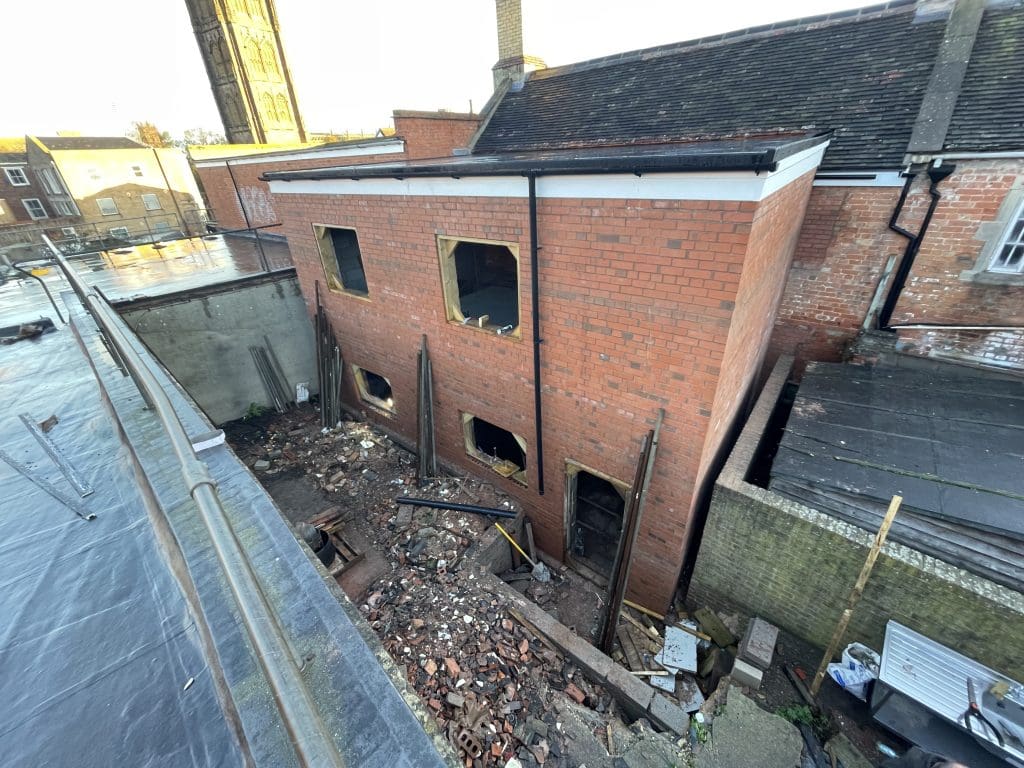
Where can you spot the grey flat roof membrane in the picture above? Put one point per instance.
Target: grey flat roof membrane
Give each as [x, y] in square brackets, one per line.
[950, 442]
[120, 642]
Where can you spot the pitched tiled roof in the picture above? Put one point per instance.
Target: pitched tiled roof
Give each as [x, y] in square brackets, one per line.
[862, 76]
[12, 149]
[88, 142]
[989, 114]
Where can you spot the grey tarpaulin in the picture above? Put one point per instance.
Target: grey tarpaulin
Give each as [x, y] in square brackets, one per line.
[102, 640]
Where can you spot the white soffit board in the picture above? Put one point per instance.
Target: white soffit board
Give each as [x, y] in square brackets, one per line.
[709, 185]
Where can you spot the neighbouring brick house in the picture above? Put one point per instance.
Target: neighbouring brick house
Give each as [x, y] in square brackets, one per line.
[23, 200]
[660, 283]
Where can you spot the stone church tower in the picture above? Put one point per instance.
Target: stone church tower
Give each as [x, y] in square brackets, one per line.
[241, 46]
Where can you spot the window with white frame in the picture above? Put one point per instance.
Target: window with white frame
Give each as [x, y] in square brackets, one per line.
[1009, 256]
[107, 206]
[119, 232]
[64, 208]
[151, 201]
[17, 177]
[68, 232]
[50, 182]
[35, 208]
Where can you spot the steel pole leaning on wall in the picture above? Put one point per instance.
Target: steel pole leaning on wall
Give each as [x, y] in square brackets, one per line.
[538, 416]
[310, 736]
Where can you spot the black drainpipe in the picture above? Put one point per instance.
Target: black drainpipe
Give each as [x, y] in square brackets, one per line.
[936, 174]
[538, 418]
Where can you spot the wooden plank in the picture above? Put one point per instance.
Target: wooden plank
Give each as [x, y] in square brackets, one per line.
[626, 643]
[630, 531]
[855, 594]
[640, 608]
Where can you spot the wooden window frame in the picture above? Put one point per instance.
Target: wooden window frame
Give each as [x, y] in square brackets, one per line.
[446, 245]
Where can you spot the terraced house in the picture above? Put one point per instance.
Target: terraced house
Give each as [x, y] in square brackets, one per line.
[627, 240]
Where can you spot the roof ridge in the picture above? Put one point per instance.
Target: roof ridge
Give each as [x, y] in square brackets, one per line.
[852, 14]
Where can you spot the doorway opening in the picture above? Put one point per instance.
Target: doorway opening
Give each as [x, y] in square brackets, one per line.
[595, 506]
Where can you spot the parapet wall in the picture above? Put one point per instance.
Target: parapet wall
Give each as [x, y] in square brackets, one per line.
[795, 566]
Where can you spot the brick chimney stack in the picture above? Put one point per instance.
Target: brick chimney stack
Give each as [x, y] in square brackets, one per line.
[512, 64]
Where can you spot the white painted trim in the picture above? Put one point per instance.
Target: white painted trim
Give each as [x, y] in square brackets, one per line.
[383, 148]
[1017, 154]
[877, 179]
[717, 185]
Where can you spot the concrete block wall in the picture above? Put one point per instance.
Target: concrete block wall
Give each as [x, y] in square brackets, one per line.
[795, 567]
[203, 337]
[637, 297]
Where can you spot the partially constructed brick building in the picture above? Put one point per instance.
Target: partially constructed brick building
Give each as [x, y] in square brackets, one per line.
[639, 233]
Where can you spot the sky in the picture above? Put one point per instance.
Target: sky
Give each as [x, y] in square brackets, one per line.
[352, 63]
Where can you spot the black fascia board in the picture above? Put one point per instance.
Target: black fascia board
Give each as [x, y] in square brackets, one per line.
[760, 160]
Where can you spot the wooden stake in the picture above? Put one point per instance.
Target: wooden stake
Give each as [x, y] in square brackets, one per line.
[640, 608]
[855, 595]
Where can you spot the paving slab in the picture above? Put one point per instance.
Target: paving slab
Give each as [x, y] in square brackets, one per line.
[758, 644]
[679, 652]
[745, 735]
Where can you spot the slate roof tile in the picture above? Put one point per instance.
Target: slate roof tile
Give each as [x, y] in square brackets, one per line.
[860, 75]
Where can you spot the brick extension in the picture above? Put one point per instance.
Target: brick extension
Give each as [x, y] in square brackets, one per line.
[644, 304]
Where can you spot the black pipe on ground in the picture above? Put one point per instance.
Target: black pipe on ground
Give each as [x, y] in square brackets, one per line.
[538, 418]
[456, 507]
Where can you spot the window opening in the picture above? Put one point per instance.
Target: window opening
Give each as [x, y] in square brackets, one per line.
[35, 208]
[1010, 255]
[374, 389]
[151, 201]
[137, 170]
[17, 177]
[481, 284]
[595, 507]
[342, 260]
[107, 206]
[501, 450]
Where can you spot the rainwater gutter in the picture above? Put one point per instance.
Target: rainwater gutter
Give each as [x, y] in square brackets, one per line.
[312, 740]
[937, 173]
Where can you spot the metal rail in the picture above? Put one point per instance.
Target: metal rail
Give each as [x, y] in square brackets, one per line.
[313, 742]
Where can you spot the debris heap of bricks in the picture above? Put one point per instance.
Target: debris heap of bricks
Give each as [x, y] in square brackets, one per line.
[502, 693]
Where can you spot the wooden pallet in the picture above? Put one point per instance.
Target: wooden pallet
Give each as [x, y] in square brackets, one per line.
[347, 555]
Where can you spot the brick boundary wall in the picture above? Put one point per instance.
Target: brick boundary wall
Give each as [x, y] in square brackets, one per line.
[795, 566]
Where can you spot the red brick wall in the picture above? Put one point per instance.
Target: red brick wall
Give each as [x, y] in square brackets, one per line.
[843, 249]
[434, 134]
[839, 259]
[636, 299]
[768, 250]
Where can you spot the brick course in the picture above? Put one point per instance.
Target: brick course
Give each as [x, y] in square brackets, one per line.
[638, 300]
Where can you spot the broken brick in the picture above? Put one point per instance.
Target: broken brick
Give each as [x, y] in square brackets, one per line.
[575, 693]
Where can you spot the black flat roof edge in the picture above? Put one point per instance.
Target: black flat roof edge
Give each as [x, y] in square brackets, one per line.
[725, 160]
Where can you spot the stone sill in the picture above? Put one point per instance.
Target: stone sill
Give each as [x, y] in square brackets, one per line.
[992, 278]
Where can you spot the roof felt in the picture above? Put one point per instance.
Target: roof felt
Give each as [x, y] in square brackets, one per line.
[989, 114]
[88, 142]
[950, 442]
[756, 154]
[862, 76]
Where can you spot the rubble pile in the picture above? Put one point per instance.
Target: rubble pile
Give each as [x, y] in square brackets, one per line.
[496, 687]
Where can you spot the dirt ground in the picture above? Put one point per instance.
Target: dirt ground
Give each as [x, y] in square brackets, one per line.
[496, 688]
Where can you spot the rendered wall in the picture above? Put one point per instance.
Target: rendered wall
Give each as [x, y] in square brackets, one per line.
[795, 566]
[203, 339]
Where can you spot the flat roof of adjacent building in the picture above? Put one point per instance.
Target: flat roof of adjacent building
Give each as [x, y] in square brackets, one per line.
[947, 438]
[739, 154]
[123, 643]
